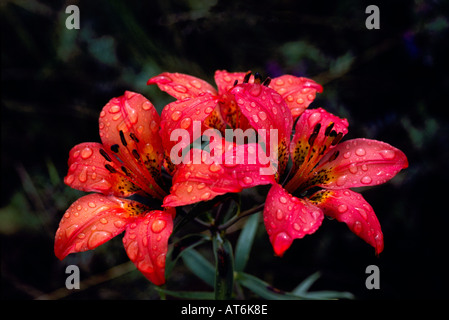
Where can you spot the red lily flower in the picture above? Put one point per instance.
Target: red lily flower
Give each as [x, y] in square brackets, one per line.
[320, 161]
[127, 162]
[263, 109]
[198, 100]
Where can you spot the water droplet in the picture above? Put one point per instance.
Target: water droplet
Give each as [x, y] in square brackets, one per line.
[208, 110]
[364, 167]
[314, 118]
[388, 154]
[176, 115]
[185, 123]
[205, 196]
[300, 101]
[86, 153]
[92, 204]
[363, 213]
[347, 155]
[196, 84]
[255, 90]
[296, 226]
[103, 220]
[160, 260]
[82, 177]
[114, 109]
[341, 180]
[81, 236]
[283, 199]
[366, 180]
[342, 208]
[201, 185]
[360, 152]
[279, 214]
[255, 118]
[357, 227]
[247, 180]
[180, 89]
[119, 223]
[353, 168]
[214, 167]
[158, 225]
[189, 188]
[97, 238]
[279, 82]
[262, 115]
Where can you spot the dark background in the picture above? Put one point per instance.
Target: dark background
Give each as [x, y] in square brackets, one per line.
[391, 84]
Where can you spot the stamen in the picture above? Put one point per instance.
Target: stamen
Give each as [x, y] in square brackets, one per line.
[125, 171]
[247, 76]
[136, 154]
[267, 81]
[334, 156]
[236, 82]
[114, 148]
[337, 138]
[122, 138]
[110, 168]
[328, 129]
[133, 137]
[257, 77]
[105, 155]
[313, 136]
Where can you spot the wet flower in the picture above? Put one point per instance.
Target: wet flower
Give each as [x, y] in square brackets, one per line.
[124, 168]
[324, 169]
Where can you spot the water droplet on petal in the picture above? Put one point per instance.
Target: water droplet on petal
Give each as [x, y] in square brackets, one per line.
[97, 238]
[158, 225]
[180, 89]
[353, 168]
[114, 109]
[342, 208]
[86, 153]
[205, 196]
[185, 123]
[357, 227]
[119, 223]
[92, 204]
[283, 199]
[214, 167]
[262, 115]
[247, 180]
[388, 154]
[314, 118]
[103, 220]
[366, 180]
[360, 152]
[176, 115]
[279, 214]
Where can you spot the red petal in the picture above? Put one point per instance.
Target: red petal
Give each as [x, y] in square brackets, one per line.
[362, 162]
[297, 92]
[316, 133]
[182, 86]
[204, 179]
[129, 129]
[287, 218]
[351, 208]
[146, 243]
[91, 221]
[87, 172]
[183, 114]
[266, 110]
[226, 80]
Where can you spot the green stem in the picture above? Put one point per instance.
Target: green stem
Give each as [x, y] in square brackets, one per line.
[240, 216]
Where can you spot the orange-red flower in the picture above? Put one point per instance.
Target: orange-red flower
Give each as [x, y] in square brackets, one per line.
[128, 162]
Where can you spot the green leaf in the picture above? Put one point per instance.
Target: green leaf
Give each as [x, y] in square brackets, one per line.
[194, 295]
[263, 289]
[245, 242]
[224, 271]
[304, 286]
[202, 268]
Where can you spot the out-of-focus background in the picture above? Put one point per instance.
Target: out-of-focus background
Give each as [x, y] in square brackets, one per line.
[391, 84]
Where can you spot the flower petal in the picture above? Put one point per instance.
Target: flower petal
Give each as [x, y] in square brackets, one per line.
[351, 208]
[298, 92]
[268, 114]
[91, 221]
[202, 180]
[359, 163]
[226, 80]
[129, 130]
[287, 218]
[181, 86]
[316, 133]
[146, 243]
[88, 171]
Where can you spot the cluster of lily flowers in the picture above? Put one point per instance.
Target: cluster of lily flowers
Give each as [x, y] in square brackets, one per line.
[126, 174]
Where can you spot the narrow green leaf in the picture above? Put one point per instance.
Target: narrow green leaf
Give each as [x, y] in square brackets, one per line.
[305, 285]
[194, 295]
[224, 271]
[263, 289]
[202, 268]
[245, 242]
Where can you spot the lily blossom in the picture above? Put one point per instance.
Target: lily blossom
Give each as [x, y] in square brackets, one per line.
[321, 161]
[127, 162]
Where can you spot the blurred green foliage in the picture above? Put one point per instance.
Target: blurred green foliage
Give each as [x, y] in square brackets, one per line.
[390, 83]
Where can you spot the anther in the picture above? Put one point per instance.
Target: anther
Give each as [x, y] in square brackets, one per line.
[105, 155]
[313, 136]
[337, 138]
[267, 82]
[236, 82]
[247, 76]
[125, 171]
[110, 168]
[133, 137]
[257, 78]
[334, 156]
[122, 138]
[328, 129]
[135, 154]
[114, 148]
